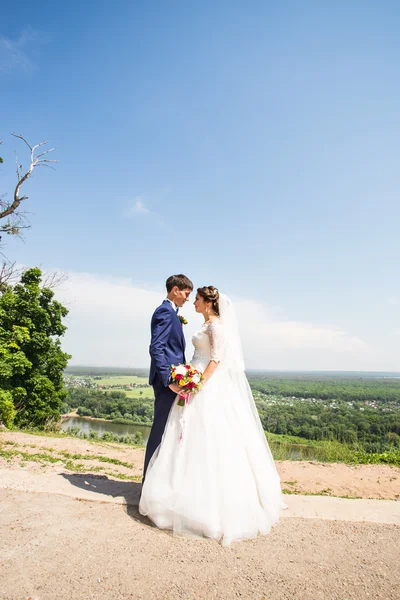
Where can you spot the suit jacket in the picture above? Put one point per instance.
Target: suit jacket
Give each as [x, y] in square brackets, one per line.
[167, 345]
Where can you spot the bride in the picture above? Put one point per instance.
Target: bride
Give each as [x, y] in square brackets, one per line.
[213, 474]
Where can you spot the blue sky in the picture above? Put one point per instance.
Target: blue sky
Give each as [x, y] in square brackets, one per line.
[254, 147]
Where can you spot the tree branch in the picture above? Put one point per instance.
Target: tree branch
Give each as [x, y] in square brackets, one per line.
[53, 280]
[9, 274]
[13, 226]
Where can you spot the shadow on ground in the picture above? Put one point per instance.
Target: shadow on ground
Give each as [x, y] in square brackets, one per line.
[101, 484]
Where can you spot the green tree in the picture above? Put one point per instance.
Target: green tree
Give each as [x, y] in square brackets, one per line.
[7, 410]
[138, 438]
[84, 412]
[31, 360]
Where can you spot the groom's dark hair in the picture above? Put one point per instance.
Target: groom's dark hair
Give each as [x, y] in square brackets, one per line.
[180, 281]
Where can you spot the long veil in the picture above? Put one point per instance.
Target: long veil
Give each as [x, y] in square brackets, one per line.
[233, 364]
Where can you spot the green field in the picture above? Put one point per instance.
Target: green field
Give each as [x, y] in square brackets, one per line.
[145, 392]
[124, 380]
[135, 393]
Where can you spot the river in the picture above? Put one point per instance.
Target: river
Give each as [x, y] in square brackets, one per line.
[281, 451]
[100, 427]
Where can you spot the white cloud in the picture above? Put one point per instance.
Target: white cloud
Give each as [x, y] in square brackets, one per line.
[282, 333]
[138, 209]
[273, 341]
[15, 54]
[109, 324]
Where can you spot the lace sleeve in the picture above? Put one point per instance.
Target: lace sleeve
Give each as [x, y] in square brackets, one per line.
[216, 337]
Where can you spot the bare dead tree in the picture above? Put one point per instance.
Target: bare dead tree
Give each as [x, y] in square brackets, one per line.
[10, 210]
[53, 280]
[13, 220]
[9, 275]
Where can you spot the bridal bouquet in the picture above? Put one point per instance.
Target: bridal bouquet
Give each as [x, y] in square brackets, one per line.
[189, 379]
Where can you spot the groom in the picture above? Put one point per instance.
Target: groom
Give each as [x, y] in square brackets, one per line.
[167, 348]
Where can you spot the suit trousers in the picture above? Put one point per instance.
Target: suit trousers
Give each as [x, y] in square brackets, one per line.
[164, 398]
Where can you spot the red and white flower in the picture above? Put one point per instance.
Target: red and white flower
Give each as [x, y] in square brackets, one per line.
[189, 380]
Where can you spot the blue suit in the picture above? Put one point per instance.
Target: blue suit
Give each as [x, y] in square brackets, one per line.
[167, 348]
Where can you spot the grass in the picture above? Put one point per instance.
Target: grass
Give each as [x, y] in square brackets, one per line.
[75, 463]
[124, 477]
[39, 457]
[75, 432]
[330, 451]
[289, 439]
[321, 451]
[321, 493]
[123, 421]
[42, 433]
[69, 462]
[279, 451]
[105, 459]
[140, 393]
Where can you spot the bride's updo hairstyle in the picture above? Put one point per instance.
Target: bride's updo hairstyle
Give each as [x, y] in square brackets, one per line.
[210, 294]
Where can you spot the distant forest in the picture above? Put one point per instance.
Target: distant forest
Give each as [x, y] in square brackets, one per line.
[92, 371]
[357, 410]
[251, 374]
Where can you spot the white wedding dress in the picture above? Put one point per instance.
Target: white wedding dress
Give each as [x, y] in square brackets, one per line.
[213, 474]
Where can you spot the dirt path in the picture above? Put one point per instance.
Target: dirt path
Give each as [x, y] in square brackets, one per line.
[70, 530]
[57, 548]
[40, 454]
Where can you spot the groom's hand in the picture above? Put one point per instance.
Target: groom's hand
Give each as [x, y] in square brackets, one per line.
[175, 388]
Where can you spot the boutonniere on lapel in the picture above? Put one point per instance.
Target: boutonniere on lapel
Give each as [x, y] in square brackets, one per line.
[182, 320]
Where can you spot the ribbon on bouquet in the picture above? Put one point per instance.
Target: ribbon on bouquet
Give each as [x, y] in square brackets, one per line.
[183, 401]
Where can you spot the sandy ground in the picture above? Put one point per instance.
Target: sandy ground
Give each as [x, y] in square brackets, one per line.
[55, 547]
[360, 481]
[70, 530]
